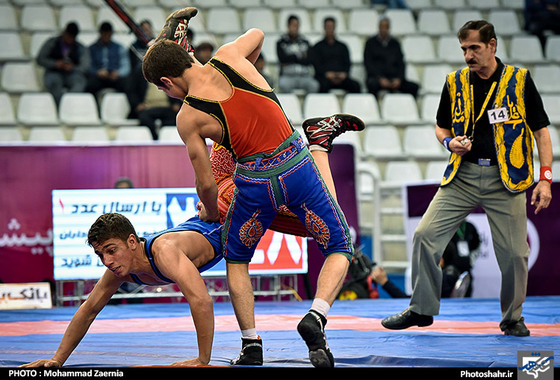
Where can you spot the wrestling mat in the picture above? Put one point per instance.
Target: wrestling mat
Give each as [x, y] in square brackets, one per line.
[465, 334]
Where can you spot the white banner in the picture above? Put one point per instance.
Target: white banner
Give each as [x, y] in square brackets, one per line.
[150, 211]
[33, 295]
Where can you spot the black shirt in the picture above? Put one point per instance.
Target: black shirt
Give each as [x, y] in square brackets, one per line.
[483, 137]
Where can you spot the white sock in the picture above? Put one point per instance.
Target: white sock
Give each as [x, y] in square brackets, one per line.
[249, 334]
[321, 306]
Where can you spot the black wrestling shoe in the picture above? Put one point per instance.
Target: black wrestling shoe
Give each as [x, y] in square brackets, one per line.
[251, 353]
[176, 25]
[321, 131]
[312, 330]
[517, 328]
[407, 319]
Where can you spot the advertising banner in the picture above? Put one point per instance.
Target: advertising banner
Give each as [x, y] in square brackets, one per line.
[542, 236]
[149, 211]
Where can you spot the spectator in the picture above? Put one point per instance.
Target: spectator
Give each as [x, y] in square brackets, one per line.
[384, 63]
[139, 47]
[203, 52]
[66, 63]
[542, 16]
[331, 60]
[296, 71]
[260, 65]
[110, 63]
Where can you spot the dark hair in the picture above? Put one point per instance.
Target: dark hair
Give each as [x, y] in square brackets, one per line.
[105, 27]
[329, 18]
[291, 18]
[72, 29]
[485, 29]
[109, 226]
[165, 58]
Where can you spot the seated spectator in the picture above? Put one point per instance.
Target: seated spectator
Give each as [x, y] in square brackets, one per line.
[331, 60]
[203, 52]
[66, 63]
[385, 65]
[296, 71]
[110, 63]
[260, 65]
[542, 16]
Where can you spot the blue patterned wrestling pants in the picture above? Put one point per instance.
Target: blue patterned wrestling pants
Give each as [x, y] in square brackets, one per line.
[287, 177]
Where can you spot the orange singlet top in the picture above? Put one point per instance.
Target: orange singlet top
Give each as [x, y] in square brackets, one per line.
[252, 119]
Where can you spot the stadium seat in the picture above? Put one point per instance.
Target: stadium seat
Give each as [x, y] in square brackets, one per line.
[435, 170]
[10, 135]
[449, 50]
[402, 21]
[168, 135]
[418, 48]
[37, 109]
[483, 4]
[262, 18]
[552, 107]
[222, 20]
[420, 142]
[401, 172]
[526, 49]
[355, 46]
[547, 78]
[155, 14]
[78, 13]
[78, 109]
[51, 134]
[552, 48]
[505, 21]
[90, 134]
[115, 108]
[12, 48]
[364, 22]
[7, 114]
[37, 18]
[433, 77]
[292, 107]
[18, 77]
[461, 16]
[133, 134]
[383, 142]
[363, 105]
[433, 22]
[399, 109]
[450, 4]
[429, 106]
[318, 105]
[8, 19]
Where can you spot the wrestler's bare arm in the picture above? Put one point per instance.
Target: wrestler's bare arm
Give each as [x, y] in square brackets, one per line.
[174, 264]
[197, 149]
[81, 321]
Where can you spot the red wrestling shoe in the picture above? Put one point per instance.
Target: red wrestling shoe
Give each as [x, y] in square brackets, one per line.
[176, 25]
[321, 131]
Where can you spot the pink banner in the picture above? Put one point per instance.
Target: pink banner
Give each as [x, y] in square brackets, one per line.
[30, 173]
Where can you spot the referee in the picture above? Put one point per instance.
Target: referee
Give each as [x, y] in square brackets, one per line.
[488, 115]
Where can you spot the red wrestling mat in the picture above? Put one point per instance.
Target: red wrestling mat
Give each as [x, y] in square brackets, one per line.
[268, 322]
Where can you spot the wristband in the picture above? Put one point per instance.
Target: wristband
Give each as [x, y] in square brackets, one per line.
[445, 143]
[546, 174]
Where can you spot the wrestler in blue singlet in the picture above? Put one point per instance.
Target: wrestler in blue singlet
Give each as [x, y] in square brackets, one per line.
[211, 231]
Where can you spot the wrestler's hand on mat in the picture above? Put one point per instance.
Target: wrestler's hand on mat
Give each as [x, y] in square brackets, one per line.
[42, 363]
